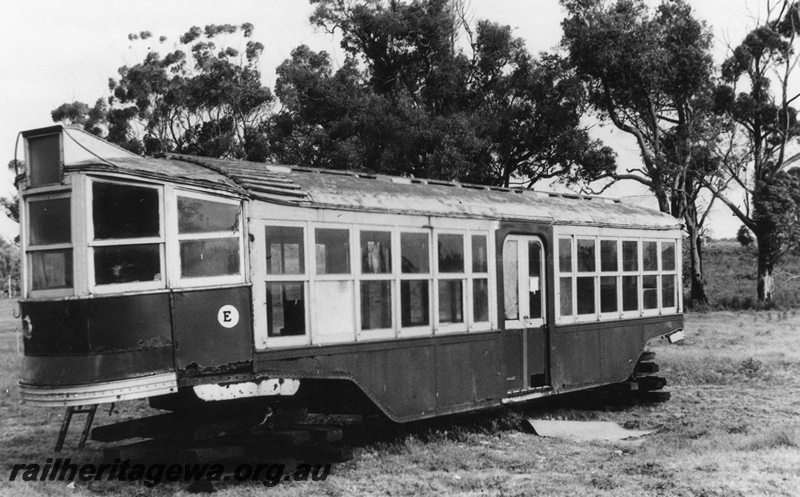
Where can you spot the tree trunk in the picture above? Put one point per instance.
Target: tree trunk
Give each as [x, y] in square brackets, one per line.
[698, 289]
[766, 282]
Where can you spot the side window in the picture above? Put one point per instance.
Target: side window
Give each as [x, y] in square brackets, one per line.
[585, 281]
[480, 279]
[630, 278]
[334, 288]
[608, 276]
[127, 239]
[49, 244]
[415, 279]
[668, 275]
[376, 279]
[286, 285]
[209, 238]
[451, 277]
[650, 276]
[565, 276]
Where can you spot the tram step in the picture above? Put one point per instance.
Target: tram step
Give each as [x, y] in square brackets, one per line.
[647, 367]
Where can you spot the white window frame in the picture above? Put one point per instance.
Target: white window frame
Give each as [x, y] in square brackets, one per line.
[316, 278]
[414, 331]
[93, 244]
[304, 278]
[617, 275]
[28, 249]
[438, 276]
[175, 238]
[473, 325]
[657, 273]
[673, 272]
[391, 277]
[523, 283]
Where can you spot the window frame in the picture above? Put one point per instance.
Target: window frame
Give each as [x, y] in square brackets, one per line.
[92, 244]
[473, 325]
[423, 330]
[315, 278]
[175, 238]
[438, 276]
[28, 249]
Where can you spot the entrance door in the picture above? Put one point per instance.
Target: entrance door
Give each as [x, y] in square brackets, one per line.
[524, 311]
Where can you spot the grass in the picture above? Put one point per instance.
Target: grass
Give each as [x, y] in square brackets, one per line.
[731, 428]
[730, 271]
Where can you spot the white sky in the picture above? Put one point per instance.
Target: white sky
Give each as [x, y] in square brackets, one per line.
[59, 51]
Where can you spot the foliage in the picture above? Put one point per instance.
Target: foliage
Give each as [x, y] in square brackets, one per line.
[408, 100]
[764, 124]
[203, 97]
[649, 73]
[744, 236]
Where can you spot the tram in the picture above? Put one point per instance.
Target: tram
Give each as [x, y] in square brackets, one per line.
[194, 281]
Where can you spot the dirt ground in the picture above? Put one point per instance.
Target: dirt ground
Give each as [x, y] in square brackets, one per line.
[732, 427]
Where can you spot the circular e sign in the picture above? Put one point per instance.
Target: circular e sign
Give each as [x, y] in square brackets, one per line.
[228, 316]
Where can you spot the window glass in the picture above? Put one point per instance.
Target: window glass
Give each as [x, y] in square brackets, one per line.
[650, 256]
[332, 251]
[124, 211]
[565, 286]
[205, 216]
[451, 303]
[630, 293]
[414, 303]
[286, 314]
[44, 153]
[630, 255]
[585, 255]
[534, 280]
[212, 257]
[451, 253]
[285, 254]
[668, 290]
[414, 252]
[668, 256]
[51, 269]
[565, 255]
[608, 255]
[585, 287]
[608, 294]
[333, 306]
[480, 263]
[376, 305]
[127, 263]
[49, 221]
[480, 300]
[511, 279]
[650, 291]
[376, 252]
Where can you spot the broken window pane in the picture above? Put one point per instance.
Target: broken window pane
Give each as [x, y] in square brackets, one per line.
[127, 263]
[332, 251]
[451, 303]
[124, 211]
[50, 221]
[414, 303]
[285, 254]
[205, 216]
[414, 252]
[451, 253]
[214, 257]
[51, 269]
[333, 306]
[286, 314]
[376, 305]
[376, 252]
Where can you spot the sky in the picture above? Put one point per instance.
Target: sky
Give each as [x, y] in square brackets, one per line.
[60, 51]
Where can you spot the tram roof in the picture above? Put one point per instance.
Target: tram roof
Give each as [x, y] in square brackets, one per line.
[358, 191]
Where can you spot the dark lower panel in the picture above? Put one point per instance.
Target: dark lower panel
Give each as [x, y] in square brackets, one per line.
[85, 369]
[407, 379]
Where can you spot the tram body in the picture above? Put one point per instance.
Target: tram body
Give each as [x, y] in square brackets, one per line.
[195, 281]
